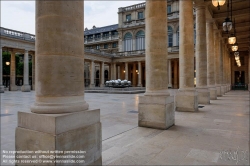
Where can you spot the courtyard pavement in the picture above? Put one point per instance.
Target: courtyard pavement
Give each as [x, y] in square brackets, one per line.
[218, 134]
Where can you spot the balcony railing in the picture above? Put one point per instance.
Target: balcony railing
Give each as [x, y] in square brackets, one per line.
[17, 34]
[130, 53]
[98, 52]
[174, 49]
[134, 22]
[101, 39]
[133, 7]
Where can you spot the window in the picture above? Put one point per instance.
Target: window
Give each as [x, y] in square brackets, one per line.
[140, 15]
[170, 36]
[114, 33]
[128, 17]
[97, 36]
[140, 40]
[114, 45]
[106, 46]
[128, 42]
[97, 47]
[169, 9]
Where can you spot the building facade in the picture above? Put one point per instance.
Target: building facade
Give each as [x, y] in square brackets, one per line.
[120, 48]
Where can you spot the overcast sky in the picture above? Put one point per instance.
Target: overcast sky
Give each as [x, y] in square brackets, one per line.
[20, 15]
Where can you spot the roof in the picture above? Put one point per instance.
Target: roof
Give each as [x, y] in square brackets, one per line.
[101, 29]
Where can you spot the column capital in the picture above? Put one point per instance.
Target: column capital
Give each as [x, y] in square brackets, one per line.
[210, 21]
[199, 4]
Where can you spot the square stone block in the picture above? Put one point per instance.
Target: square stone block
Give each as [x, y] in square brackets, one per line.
[75, 132]
[203, 95]
[213, 93]
[186, 100]
[218, 88]
[156, 111]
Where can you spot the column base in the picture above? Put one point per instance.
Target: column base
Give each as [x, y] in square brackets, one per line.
[225, 89]
[156, 112]
[218, 89]
[1, 89]
[222, 90]
[33, 87]
[13, 88]
[139, 85]
[25, 88]
[92, 85]
[213, 93]
[186, 100]
[79, 131]
[203, 95]
[169, 85]
[102, 85]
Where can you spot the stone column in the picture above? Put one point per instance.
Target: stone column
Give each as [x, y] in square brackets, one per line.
[217, 62]
[102, 74]
[119, 72]
[33, 71]
[221, 66]
[134, 74]
[126, 70]
[92, 74]
[210, 60]
[156, 107]
[226, 71]
[114, 71]
[26, 86]
[169, 74]
[139, 75]
[248, 70]
[229, 72]
[60, 120]
[224, 68]
[175, 74]
[201, 54]
[110, 72]
[187, 96]
[13, 86]
[1, 71]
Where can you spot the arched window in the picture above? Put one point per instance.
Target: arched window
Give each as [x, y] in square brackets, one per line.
[140, 40]
[128, 45]
[178, 37]
[170, 36]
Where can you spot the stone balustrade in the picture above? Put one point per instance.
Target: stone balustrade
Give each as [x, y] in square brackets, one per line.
[132, 7]
[17, 34]
[101, 39]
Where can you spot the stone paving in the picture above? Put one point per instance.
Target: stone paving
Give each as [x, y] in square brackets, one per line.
[216, 135]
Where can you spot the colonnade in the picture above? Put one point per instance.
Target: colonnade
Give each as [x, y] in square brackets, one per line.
[12, 85]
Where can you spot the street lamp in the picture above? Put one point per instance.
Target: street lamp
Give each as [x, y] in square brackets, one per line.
[232, 39]
[235, 47]
[218, 3]
[228, 24]
[7, 63]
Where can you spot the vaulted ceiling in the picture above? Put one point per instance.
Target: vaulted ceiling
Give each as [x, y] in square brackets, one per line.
[241, 14]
